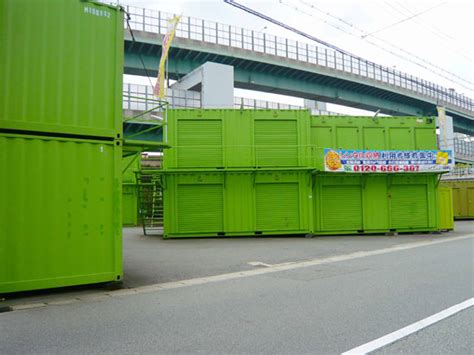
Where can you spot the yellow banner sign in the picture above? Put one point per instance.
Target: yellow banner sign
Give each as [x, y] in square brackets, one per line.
[159, 89]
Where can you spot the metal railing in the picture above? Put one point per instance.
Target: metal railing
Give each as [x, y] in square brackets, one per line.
[460, 172]
[464, 147]
[147, 20]
[140, 98]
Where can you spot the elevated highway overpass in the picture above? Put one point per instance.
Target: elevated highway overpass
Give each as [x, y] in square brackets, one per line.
[268, 63]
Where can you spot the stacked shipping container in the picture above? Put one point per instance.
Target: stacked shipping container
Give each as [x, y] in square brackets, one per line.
[60, 143]
[237, 172]
[371, 203]
[130, 165]
[252, 172]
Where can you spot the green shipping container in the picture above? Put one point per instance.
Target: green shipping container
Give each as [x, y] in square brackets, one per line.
[372, 203]
[61, 64]
[368, 133]
[60, 212]
[375, 203]
[130, 165]
[129, 205]
[235, 203]
[203, 139]
[463, 197]
[445, 208]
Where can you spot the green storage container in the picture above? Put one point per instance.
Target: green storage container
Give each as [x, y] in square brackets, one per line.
[445, 208]
[234, 203]
[129, 205]
[374, 203]
[130, 165]
[211, 203]
[61, 64]
[463, 197]
[207, 138]
[60, 212]
[368, 133]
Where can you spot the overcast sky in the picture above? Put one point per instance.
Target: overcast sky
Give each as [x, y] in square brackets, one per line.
[441, 32]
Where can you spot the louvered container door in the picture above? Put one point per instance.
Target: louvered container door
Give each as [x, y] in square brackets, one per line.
[337, 204]
[200, 208]
[199, 143]
[276, 143]
[341, 208]
[277, 206]
[408, 206]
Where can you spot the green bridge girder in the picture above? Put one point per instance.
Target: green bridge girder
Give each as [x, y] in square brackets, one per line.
[281, 76]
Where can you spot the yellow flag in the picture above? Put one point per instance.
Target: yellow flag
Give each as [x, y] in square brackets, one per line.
[159, 89]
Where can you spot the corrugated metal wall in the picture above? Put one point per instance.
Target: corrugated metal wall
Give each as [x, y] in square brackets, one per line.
[237, 203]
[61, 64]
[237, 138]
[463, 197]
[338, 203]
[60, 218]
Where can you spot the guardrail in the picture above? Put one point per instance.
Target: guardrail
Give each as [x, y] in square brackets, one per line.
[464, 147]
[140, 98]
[147, 20]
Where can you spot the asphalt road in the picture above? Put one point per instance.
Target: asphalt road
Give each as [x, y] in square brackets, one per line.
[150, 259]
[326, 309]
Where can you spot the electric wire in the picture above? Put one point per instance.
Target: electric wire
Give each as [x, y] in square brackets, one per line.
[312, 6]
[388, 43]
[405, 19]
[440, 35]
[127, 18]
[329, 45]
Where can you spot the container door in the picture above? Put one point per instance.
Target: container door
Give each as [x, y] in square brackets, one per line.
[425, 138]
[341, 208]
[129, 205]
[374, 138]
[199, 143]
[347, 138]
[409, 206]
[470, 202]
[457, 202]
[445, 208]
[401, 138]
[200, 208]
[277, 206]
[276, 143]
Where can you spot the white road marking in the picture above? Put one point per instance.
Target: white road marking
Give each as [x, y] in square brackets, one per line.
[410, 329]
[248, 273]
[258, 263]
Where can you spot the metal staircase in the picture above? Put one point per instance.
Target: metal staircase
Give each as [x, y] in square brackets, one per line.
[150, 201]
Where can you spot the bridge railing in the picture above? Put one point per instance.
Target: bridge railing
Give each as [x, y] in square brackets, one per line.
[147, 20]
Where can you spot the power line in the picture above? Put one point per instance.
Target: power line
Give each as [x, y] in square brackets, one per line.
[127, 18]
[409, 59]
[405, 19]
[327, 44]
[428, 26]
[391, 45]
[447, 39]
